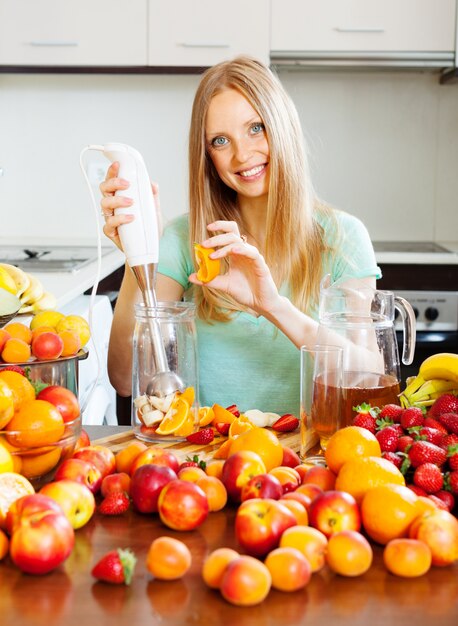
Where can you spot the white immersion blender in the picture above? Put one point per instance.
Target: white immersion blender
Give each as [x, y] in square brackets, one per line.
[140, 243]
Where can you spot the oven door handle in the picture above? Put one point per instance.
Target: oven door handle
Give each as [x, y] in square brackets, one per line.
[439, 337]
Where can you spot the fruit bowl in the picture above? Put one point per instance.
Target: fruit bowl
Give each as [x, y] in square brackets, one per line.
[39, 461]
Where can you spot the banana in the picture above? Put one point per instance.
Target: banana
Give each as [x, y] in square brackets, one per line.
[443, 365]
[431, 387]
[34, 291]
[6, 281]
[47, 302]
[20, 278]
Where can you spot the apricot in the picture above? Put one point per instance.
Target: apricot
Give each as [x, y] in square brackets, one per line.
[215, 565]
[18, 330]
[439, 530]
[297, 509]
[168, 558]
[215, 468]
[289, 569]
[71, 341]
[312, 543]
[4, 336]
[191, 473]
[15, 351]
[47, 346]
[321, 476]
[246, 581]
[215, 491]
[349, 553]
[124, 458]
[407, 557]
[288, 477]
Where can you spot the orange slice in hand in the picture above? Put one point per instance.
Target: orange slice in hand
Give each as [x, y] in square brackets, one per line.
[12, 487]
[222, 415]
[206, 415]
[208, 268]
[174, 418]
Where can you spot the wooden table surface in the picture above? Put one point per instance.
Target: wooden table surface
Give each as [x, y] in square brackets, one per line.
[71, 597]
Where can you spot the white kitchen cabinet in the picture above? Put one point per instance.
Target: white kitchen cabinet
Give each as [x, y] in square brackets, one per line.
[205, 32]
[409, 30]
[65, 33]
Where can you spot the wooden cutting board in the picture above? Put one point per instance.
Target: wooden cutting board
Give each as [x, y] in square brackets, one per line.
[184, 449]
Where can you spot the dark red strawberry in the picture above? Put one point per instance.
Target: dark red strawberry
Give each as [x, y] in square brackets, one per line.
[222, 428]
[446, 403]
[116, 567]
[446, 497]
[417, 490]
[13, 368]
[404, 443]
[388, 439]
[450, 421]
[115, 503]
[451, 482]
[286, 423]
[396, 459]
[428, 477]
[366, 417]
[202, 436]
[233, 409]
[438, 502]
[412, 416]
[452, 454]
[424, 452]
[433, 423]
[428, 434]
[193, 462]
[392, 412]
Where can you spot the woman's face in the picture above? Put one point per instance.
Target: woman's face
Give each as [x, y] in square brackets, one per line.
[237, 144]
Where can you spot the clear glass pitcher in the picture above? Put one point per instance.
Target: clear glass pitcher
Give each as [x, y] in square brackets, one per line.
[160, 418]
[362, 322]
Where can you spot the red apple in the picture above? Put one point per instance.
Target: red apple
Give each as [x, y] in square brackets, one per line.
[75, 499]
[80, 471]
[115, 483]
[262, 486]
[334, 511]
[182, 505]
[260, 523]
[238, 469]
[100, 456]
[147, 483]
[63, 399]
[158, 456]
[41, 535]
[290, 458]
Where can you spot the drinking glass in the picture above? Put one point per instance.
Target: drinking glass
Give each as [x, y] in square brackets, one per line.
[321, 397]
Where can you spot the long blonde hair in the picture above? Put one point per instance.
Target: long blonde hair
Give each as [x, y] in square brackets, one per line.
[294, 240]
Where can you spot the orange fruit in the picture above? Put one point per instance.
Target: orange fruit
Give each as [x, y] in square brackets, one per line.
[363, 473]
[223, 451]
[206, 415]
[12, 487]
[349, 553]
[188, 394]
[222, 415]
[36, 423]
[36, 465]
[125, 457]
[208, 268]
[174, 418]
[215, 491]
[238, 427]
[18, 330]
[348, 443]
[16, 351]
[262, 441]
[4, 545]
[168, 558]
[387, 512]
[6, 460]
[189, 425]
[6, 404]
[289, 569]
[22, 388]
[407, 557]
[215, 565]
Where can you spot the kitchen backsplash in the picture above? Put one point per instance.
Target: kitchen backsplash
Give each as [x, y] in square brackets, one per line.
[383, 146]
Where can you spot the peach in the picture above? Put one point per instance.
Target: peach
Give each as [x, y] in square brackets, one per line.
[246, 582]
[321, 476]
[216, 564]
[310, 541]
[191, 473]
[100, 456]
[239, 469]
[157, 456]
[182, 505]
[289, 569]
[439, 530]
[407, 557]
[215, 491]
[288, 477]
[47, 346]
[297, 509]
[310, 490]
[349, 553]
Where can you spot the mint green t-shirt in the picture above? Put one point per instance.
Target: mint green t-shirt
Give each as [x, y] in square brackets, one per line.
[248, 361]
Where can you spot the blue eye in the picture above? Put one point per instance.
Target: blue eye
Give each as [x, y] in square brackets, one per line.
[219, 141]
[257, 128]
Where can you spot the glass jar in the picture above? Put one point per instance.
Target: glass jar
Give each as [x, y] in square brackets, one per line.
[174, 416]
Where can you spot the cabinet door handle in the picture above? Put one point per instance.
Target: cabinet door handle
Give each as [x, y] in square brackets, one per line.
[362, 29]
[55, 44]
[190, 44]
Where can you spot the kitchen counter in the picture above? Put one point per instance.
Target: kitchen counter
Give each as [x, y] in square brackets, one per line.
[70, 596]
[421, 258]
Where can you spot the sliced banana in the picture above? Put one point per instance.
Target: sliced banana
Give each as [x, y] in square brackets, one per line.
[141, 401]
[162, 404]
[257, 417]
[20, 278]
[151, 417]
[34, 291]
[47, 302]
[272, 418]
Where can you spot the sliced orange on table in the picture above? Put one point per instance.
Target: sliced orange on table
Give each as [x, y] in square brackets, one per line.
[222, 415]
[239, 426]
[12, 487]
[174, 418]
[188, 427]
[206, 415]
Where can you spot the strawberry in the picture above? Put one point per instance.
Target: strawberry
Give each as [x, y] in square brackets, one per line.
[404, 443]
[233, 409]
[396, 459]
[451, 482]
[193, 462]
[388, 439]
[450, 421]
[446, 497]
[13, 368]
[286, 423]
[115, 503]
[438, 502]
[446, 403]
[417, 490]
[449, 440]
[202, 436]
[433, 423]
[424, 452]
[428, 434]
[392, 412]
[428, 477]
[452, 454]
[222, 428]
[365, 417]
[116, 567]
[413, 416]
